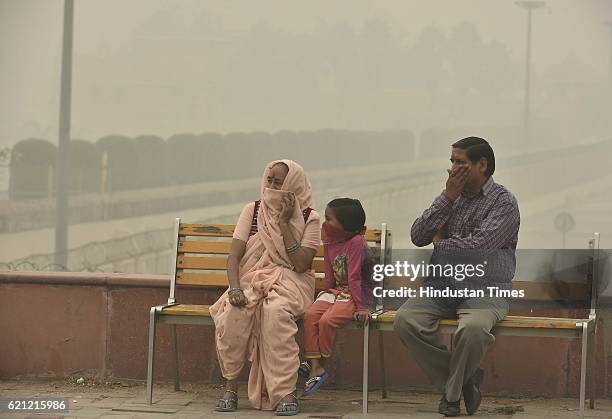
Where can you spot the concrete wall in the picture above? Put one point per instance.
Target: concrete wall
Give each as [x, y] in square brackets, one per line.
[59, 324]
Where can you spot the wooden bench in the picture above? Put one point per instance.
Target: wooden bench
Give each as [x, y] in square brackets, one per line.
[583, 328]
[200, 262]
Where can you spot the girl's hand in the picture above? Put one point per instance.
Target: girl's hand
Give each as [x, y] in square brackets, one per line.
[287, 208]
[362, 316]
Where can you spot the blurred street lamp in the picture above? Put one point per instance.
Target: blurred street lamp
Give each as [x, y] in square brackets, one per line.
[529, 5]
[63, 161]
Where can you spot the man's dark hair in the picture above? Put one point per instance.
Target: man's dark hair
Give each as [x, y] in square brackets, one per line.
[477, 148]
[349, 213]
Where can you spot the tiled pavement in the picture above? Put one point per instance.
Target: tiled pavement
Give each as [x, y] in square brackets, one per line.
[89, 400]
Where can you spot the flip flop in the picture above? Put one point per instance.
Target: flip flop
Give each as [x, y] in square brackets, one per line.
[318, 382]
[304, 370]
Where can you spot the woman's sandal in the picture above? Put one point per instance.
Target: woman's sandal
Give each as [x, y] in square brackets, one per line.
[314, 383]
[281, 407]
[226, 403]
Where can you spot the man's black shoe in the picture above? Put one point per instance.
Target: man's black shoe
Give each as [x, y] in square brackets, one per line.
[471, 392]
[447, 408]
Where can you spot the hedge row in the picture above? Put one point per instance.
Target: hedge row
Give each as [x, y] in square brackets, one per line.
[146, 161]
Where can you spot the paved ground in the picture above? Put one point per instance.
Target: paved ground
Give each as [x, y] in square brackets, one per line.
[124, 400]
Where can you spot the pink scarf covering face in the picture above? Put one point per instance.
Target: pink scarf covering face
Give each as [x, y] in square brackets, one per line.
[269, 236]
[265, 259]
[269, 227]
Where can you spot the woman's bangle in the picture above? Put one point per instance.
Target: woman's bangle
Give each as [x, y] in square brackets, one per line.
[235, 290]
[293, 248]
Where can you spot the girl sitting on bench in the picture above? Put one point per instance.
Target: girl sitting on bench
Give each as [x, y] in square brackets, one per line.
[347, 291]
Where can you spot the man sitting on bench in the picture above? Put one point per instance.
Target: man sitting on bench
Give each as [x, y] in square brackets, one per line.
[473, 214]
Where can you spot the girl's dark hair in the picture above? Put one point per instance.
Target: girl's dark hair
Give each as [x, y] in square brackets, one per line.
[349, 213]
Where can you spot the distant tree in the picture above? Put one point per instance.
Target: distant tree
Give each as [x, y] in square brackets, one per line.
[86, 173]
[122, 168]
[152, 156]
[32, 169]
[187, 156]
[485, 69]
[5, 156]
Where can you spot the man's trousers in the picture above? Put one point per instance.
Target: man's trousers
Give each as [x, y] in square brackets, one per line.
[417, 322]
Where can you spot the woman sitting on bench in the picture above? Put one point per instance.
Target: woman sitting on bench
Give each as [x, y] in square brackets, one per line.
[271, 284]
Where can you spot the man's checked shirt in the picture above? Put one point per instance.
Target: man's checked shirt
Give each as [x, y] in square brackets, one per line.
[487, 223]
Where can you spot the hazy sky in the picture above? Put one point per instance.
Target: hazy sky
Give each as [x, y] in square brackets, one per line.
[30, 36]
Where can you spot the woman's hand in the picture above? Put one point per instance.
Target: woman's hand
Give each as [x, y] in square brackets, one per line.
[362, 315]
[237, 297]
[287, 208]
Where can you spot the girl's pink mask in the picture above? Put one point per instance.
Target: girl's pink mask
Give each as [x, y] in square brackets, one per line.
[332, 234]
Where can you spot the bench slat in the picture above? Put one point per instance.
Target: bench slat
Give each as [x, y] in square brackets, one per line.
[206, 280]
[206, 230]
[226, 230]
[220, 264]
[214, 248]
[220, 248]
[199, 262]
[215, 280]
[187, 310]
[204, 248]
[318, 265]
[516, 322]
[373, 235]
[508, 322]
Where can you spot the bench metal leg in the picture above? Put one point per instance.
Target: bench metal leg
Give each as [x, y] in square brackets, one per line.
[591, 390]
[383, 376]
[175, 358]
[583, 360]
[151, 358]
[366, 356]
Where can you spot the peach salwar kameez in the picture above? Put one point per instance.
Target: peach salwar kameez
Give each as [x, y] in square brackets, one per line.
[263, 332]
